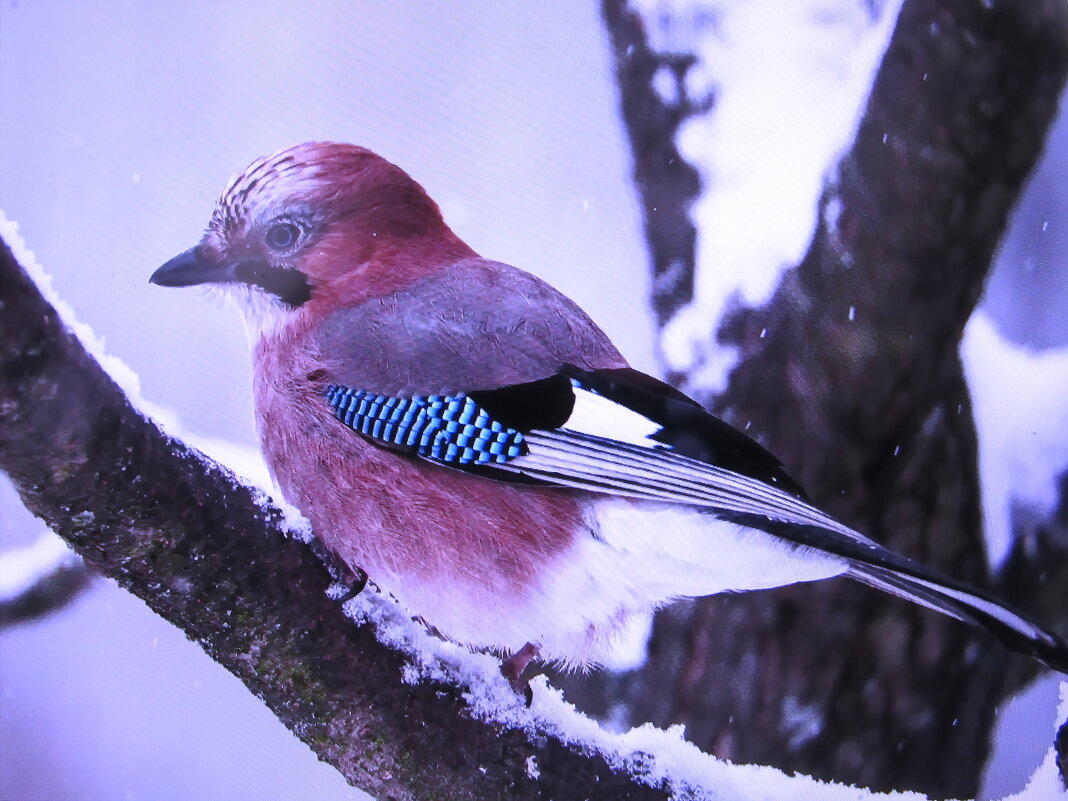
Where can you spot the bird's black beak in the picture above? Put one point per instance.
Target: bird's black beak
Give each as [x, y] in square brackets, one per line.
[191, 268]
[195, 266]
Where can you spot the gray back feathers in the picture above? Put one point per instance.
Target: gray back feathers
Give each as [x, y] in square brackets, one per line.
[475, 325]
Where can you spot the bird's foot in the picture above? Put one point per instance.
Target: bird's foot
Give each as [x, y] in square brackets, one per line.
[519, 670]
[353, 579]
[355, 585]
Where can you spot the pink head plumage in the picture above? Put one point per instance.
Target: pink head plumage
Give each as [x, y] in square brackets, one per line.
[363, 214]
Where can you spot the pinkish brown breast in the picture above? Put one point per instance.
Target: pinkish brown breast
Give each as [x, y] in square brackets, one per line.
[418, 529]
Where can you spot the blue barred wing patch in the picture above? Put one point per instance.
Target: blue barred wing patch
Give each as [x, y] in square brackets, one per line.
[449, 428]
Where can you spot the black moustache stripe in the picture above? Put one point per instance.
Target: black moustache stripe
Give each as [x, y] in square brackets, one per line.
[289, 286]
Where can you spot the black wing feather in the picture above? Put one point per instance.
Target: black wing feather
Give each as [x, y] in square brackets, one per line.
[544, 404]
[687, 428]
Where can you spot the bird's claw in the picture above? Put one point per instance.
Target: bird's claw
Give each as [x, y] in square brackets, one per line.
[354, 579]
[520, 668]
[359, 583]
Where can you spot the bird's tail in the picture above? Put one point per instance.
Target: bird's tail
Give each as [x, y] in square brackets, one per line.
[883, 569]
[899, 576]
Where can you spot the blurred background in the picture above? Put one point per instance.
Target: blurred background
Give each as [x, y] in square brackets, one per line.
[120, 122]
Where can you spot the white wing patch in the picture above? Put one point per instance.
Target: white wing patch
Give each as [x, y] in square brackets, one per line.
[598, 416]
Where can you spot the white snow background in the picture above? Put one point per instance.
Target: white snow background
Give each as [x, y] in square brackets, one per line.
[120, 123]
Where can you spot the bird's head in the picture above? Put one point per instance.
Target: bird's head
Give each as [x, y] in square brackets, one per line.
[316, 223]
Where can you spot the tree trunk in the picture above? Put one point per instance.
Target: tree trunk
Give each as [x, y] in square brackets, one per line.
[851, 375]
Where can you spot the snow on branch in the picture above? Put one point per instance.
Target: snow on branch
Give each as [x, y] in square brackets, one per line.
[38, 579]
[399, 713]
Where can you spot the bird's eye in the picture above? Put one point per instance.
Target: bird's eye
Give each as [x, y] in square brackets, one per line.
[282, 235]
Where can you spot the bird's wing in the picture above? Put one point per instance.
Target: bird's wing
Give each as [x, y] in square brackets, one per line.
[615, 431]
[620, 432]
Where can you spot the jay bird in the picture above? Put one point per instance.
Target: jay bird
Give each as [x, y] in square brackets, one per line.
[465, 435]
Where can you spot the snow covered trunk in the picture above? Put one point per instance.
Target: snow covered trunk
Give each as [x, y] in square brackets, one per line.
[846, 366]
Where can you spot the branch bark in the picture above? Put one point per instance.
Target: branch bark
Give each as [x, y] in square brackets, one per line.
[209, 555]
[869, 410]
[1061, 746]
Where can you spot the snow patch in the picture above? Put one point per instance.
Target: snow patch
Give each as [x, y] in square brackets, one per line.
[22, 568]
[654, 755]
[665, 86]
[764, 156]
[532, 768]
[1020, 403]
[802, 721]
[1045, 783]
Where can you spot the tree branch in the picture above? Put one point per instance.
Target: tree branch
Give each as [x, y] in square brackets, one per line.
[211, 556]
